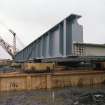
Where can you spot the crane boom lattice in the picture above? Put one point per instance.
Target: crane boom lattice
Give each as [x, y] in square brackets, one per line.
[7, 47]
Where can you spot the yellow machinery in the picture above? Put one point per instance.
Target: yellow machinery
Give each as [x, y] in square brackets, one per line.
[37, 67]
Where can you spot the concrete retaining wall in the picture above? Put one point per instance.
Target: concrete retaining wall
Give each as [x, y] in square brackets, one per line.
[10, 82]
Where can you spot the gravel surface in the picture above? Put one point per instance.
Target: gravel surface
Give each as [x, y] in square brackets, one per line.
[65, 96]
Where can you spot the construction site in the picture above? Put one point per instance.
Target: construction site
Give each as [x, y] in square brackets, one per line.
[57, 59]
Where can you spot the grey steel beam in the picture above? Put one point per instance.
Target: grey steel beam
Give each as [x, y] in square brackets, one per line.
[56, 42]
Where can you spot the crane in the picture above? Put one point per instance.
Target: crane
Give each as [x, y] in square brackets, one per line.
[14, 40]
[7, 47]
[11, 50]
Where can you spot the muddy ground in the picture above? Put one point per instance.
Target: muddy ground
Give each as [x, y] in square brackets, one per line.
[65, 96]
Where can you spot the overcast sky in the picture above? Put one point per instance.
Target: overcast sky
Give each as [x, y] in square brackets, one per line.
[31, 18]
